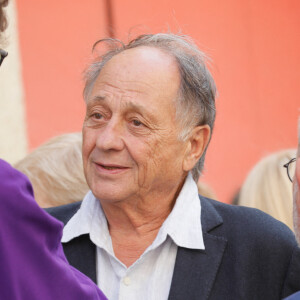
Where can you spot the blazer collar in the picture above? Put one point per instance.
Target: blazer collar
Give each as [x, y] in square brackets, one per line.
[81, 254]
[210, 218]
[195, 270]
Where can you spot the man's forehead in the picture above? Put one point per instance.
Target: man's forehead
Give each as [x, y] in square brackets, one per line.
[143, 70]
[128, 104]
[143, 59]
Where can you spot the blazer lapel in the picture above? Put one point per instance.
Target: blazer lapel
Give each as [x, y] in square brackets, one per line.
[80, 251]
[81, 254]
[195, 270]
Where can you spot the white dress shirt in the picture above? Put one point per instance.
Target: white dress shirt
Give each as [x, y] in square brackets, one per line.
[151, 275]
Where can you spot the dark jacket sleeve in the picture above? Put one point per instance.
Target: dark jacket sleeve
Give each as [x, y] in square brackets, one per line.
[262, 258]
[292, 281]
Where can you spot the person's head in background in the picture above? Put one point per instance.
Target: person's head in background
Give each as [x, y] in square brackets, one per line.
[55, 171]
[268, 188]
[296, 184]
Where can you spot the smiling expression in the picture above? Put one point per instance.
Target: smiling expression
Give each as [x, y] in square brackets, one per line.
[131, 148]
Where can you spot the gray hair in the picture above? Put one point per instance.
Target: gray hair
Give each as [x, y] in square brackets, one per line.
[196, 96]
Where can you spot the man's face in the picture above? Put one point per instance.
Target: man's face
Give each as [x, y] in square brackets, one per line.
[130, 136]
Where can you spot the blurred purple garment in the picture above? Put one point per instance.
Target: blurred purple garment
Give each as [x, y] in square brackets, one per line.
[295, 296]
[32, 262]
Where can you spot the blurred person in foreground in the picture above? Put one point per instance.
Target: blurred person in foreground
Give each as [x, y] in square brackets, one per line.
[142, 232]
[55, 170]
[32, 262]
[269, 189]
[295, 175]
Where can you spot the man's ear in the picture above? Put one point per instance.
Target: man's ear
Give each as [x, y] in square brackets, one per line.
[197, 142]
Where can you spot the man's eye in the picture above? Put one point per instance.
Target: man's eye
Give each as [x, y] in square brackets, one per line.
[97, 116]
[137, 123]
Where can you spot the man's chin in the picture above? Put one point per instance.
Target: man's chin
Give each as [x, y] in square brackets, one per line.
[109, 195]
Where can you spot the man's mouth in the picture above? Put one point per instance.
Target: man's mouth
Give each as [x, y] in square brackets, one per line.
[111, 167]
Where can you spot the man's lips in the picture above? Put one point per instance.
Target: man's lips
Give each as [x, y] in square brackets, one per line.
[110, 168]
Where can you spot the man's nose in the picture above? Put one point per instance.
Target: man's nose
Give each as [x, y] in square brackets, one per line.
[111, 136]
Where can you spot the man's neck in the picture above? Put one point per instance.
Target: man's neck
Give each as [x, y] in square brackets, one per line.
[131, 241]
[133, 225]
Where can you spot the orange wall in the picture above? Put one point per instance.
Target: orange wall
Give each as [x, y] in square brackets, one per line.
[55, 40]
[255, 50]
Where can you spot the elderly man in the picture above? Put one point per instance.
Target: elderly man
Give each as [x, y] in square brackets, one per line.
[142, 232]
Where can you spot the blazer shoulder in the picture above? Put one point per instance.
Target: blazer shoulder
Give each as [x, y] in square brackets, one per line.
[249, 223]
[64, 213]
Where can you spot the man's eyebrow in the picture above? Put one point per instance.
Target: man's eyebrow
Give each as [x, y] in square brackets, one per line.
[94, 101]
[138, 108]
[129, 106]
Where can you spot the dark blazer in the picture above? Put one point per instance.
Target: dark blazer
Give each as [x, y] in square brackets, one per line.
[248, 255]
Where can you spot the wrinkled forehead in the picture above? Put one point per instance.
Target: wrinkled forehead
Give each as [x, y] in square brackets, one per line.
[141, 70]
[143, 61]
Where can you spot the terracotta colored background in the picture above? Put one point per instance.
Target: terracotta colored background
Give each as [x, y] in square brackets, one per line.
[256, 59]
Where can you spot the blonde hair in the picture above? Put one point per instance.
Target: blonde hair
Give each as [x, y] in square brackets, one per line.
[268, 188]
[55, 170]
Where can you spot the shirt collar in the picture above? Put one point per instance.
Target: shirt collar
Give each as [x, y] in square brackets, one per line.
[80, 223]
[183, 224]
[89, 219]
